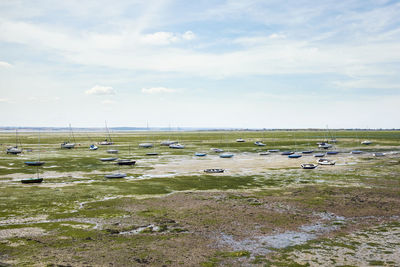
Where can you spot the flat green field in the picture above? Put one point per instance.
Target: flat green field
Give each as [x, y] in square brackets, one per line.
[264, 210]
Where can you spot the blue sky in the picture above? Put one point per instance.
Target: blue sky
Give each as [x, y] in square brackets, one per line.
[257, 64]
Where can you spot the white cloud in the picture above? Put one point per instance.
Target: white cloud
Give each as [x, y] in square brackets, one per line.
[157, 90]
[277, 36]
[5, 64]
[101, 90]
[166, 38]
[189, 35]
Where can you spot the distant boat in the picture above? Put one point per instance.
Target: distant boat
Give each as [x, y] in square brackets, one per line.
[34, 163]
[240, 140]
[286, 153]
[264, 153]
[126, 162]
[214, 170]
[151, 154]
[226, 155]
[200, 154]
[308, 166]
[332, 152]
[366, 142]
[93, 147]
[146, 145]
[168, 143]
[294, 156]
[326, 162]
[177, 146]
[115, 175]
[379, 154]
[324, 145]
[108, 159]
[273, 150]
[307, 151]
[356, 152]
[319, 155]
[113, 151]
[217, 150]
[259, 143]
[14, 150]
[68, 144]
[107, 141]
[32, 180]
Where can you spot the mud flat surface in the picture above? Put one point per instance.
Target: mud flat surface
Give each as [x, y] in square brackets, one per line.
[262, 211]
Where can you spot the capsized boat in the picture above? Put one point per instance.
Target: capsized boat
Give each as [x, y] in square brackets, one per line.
[146, 145]
[126, 162]
[366, 142]
[32, 180]
[240, 140]
[108, 159]
[115, 175]
[177, 146]
[308, 166]
[286, 153]
[93, 147]
[259, 143]
[226, 155]
[214, 170]
[326, 162]
[200, 154]
[294, 156]
[34, 163]
[14, 150]
[319, 155]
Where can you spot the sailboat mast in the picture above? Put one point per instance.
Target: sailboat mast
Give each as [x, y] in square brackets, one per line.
[108, 132]
[72, 133]
[39, 146]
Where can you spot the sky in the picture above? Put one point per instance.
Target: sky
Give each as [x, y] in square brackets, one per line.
[233, 63]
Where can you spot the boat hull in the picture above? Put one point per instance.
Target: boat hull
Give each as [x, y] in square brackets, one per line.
[34, 163]
[32, 181]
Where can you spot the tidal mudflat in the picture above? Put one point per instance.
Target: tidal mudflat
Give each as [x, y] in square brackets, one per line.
[263, 210]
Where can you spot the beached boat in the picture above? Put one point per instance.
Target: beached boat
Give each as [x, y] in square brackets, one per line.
[151, 154]
[308, 166]
[34, 163]
[264, 153]
[326, 162]
[366, 142]
[177, 146]
[107, 141]
[217, 150]
[214, 170]
[115, 175]
[307, 152]
[286, 153]
[379, 154]
[93, 147]
[324, 145]
[226, 155]
[294, 156]
[14, 150]
[319, 155]
[200, 154]
[356, 152]
[168, 143]
[68, 144]
[259, 143]
[146, 145]
[240, 140]
[36, 180]
[273, 150]
[126, 162]
[332, 152]
[113, 151]
[108, 159]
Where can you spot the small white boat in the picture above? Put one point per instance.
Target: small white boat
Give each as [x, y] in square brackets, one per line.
[326, 162]
[240, 140]
[146, 145]
[112, 151]
[115, 175]
[308, 166]
[67, 145]
[217, 150]
[319, 155]
[264, 153]
[93, 147]
[200, 154]
[14, 150]
[379, 154]
[106, 143]
[259, 143]
[177, 146]
[324, 145]
[366, 142]
[273, 150]
[168, 143]
[226, 155]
